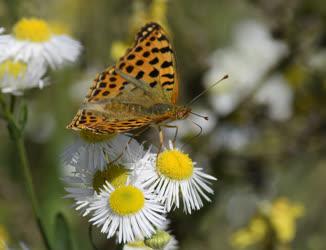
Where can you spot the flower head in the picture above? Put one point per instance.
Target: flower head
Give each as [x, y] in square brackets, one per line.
[175, 175]
[129, 211]
[17, 76]
[34, 39]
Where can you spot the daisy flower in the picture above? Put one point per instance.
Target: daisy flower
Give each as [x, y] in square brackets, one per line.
[89, 176]
[129, 211]
[33, 39]
[175, 175]
[17, 76]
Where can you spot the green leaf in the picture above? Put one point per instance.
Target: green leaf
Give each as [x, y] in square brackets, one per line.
[62, 237]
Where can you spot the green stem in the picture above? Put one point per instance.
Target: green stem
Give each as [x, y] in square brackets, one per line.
[30, 188]
[16, 136]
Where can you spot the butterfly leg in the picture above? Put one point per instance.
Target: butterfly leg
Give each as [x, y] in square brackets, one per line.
[175, 133]
[161, 137]
[129, 141]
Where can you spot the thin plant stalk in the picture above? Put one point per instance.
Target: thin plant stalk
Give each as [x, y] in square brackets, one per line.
[16, 133]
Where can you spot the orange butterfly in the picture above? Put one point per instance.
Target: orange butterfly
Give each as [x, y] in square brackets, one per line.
[141, 90]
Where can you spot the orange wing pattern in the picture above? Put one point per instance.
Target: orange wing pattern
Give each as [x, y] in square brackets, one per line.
[151, 62]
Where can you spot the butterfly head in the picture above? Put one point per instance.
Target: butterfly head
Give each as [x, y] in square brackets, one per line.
[182, 112]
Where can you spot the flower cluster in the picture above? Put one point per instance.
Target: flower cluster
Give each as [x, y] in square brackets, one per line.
[26, 53]
[250, 59]
[127, 190]
[277, 218]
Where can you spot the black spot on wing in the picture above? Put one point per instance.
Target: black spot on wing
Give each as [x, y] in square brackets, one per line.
[153, 84]
[130, 68]
[166, 49]
[171, 76]
[167, 83]
[131, 57]
[140, 74]
[166, 64]
[138, 49]
[102, 84]
[154, 61]
[139, 62]
[154, 73]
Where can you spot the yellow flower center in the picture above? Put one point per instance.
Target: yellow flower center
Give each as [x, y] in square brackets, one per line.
[32, 29]
[12, 68]
[116, 175]
[174, 165]
[93, 138]
[126, 200]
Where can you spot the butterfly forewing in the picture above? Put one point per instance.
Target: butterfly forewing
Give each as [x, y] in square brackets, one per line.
[152, 60]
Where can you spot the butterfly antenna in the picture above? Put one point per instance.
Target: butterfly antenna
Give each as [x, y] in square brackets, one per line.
[208, 89]
[194, 137]
[201, 116]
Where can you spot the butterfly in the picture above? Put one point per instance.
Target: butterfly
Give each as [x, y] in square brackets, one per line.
[139, 91]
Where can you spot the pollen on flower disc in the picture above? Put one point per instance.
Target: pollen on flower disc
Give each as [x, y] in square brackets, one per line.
[174, 165]
[126, 200]
[32, 29]
[116, 175]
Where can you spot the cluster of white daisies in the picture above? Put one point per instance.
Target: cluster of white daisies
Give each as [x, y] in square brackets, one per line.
[32, 47]
[127, 190]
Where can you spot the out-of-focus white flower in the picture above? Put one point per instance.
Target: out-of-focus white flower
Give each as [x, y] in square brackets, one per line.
[277, 96]
[2, 30]
[33, 39]
[17, 76]
[252, 53]
[231, 137]
[129, 211]
[318, 60]
[81, 86]
[23, 246]
[175, 175]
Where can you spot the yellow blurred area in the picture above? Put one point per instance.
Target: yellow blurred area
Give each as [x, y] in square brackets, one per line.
[283, 217]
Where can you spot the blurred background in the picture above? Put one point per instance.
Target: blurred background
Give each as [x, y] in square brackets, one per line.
[264, 141]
